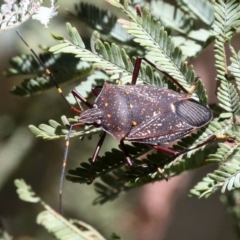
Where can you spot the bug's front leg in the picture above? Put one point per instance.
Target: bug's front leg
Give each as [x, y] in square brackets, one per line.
[94, 157]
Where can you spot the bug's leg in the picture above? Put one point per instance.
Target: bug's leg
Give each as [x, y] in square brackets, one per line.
[128, 159]
[77, 95]
[174, 153]
[95, 90]
[137, 69]
[126, 155]
[93, 159]
[134, 166]
[166, 150]
[194, 85]
[161, 172]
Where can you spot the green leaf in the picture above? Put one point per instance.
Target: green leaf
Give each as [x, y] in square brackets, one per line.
[201, 9]
[66, 68]
[55, 130]
[56, 224]
[25, 192]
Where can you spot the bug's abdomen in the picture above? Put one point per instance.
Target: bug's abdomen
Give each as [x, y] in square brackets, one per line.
[116, 115]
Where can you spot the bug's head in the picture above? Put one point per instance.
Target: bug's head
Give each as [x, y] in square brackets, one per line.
[91, 116]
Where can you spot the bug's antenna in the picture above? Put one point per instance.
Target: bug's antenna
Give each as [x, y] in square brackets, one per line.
[64, 169]
[48, 72]
[71, 126]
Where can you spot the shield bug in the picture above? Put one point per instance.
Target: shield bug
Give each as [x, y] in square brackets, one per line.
[138, 113]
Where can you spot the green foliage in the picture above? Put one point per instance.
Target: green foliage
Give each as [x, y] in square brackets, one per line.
[227, 175]
[226, 20]
[56, 130]
[66, 68]
[181, 22]
[202, 10]
[155, 39]
[232, 201]
[55, 224]
[99, 19]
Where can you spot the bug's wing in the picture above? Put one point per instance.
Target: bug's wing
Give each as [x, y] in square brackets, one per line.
[162, 128]
[192, 112]
[169, 125]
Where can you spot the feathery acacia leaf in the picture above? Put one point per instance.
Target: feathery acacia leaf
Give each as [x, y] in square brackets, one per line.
[100, 60]
[228, 97]
[201, 9]
[64, 68]
[171, 16]
[55, 130]
[235, 66]
[101, 20]
[56, 224]
[190, 40]
[227, 176]
[160, 48]
[227, 17]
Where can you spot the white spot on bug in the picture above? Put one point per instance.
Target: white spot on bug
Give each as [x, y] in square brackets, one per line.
[172, 107]
[179, 125]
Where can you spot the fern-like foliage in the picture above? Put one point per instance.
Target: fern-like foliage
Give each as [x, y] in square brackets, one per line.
[171, 17]
[182, 22]
[54, 223]
[64, 68]
[102, 20]
[227, 19]
[55, 130]
[234, 68]
[202, 10]
[231, 201]
[160, 48]
[113, 62]
[226, 176]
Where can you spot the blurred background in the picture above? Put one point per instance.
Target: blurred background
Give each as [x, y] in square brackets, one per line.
[155, 212]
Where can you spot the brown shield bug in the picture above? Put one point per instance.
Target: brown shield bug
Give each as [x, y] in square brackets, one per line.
[138, 113]
[144, 114]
